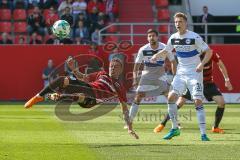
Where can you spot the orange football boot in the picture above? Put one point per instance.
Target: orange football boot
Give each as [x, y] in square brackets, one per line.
[217, 130]
[33, 101]
[159, 128]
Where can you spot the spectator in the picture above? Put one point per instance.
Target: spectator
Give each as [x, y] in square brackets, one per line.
[48, 73]
[34, 3]
[35, 39]
[6, 4]
[82, 32]
[52, 39]
[79, 6]
[5, 39]
[95, 5]
[95, 36]
[67, 16]
[111, 9]
[94, 49]
[63, 5]
[21, 40]
[48, 3]
[85, 20]
[100, 24]
[36, 22]
[24, 3]
[66, 41]
[51, 18]
[206, 18]
[93, 16]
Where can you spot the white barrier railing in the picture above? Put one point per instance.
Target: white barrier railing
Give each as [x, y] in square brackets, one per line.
[171, 28]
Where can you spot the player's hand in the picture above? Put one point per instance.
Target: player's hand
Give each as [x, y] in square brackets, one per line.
[154, 58]
[70, 63]
[131, 132]
[199, 67]
[228, 85]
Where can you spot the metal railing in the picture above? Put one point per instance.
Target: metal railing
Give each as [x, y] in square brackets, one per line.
[171, 29]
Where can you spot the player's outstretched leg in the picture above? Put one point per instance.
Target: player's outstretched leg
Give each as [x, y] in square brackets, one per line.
[59, 82]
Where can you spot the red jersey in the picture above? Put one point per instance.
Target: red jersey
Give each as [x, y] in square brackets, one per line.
[105, 87]
[208, 68]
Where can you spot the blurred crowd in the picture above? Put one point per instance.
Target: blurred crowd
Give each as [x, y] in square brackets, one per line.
[86, 18]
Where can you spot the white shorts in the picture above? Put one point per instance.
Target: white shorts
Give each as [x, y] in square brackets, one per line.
[153, 87]
[193, 82]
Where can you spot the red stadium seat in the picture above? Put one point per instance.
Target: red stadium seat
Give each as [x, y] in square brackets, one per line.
[163, 14]
[20, 27]
[5, 14]
[5, 27]
[161, 3]
[163, 28]
[19, 14]
[164, 38]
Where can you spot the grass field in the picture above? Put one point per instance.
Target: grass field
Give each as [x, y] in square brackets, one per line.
[37, 134]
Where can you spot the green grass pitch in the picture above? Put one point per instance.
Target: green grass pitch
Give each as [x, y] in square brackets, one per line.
[37, 134]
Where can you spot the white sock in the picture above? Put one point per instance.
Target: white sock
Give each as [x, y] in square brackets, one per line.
[172, 111]
[201, 119]
[133, 111]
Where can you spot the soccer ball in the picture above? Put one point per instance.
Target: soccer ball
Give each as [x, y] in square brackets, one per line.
[61, 29]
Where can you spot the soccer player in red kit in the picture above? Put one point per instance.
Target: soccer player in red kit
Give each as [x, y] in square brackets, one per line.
[211, 93]
[87, 90]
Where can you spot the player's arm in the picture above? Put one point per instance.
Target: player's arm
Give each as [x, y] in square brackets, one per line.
[174, 66]
[135, 73]
[161, 54]
[76, 72]
[224, 72]
[207, 57]
[138, 62]
[173, 62]
[127, 119]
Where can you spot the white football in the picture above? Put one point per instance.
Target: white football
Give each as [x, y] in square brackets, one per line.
[61, 29]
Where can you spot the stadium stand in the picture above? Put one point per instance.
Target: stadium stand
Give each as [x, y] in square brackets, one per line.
[13, 17]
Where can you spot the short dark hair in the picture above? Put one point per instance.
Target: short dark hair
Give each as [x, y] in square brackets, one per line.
[152, 31]
[180, 14]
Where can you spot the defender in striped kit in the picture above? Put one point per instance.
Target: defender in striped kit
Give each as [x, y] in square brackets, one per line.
[188, 46]
[150, 82]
